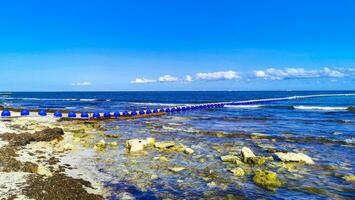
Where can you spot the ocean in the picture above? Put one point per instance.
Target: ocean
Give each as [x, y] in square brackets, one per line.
[322, 127]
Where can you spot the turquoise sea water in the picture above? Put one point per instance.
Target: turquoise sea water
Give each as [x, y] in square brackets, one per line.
[323, 128]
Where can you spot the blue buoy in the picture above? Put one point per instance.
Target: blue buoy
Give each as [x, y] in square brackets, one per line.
[148, 111]
[161, 110]
[183, 108]
[57, 114]
[84, 115]
[125, 113]
[155, 111]
[42, 113]
[178, 109]
[25, 112]
[167, 110]
[141, 112]
[71, 114]
[133, 113]
[5, 113]
[188, 107]
[107, 114]
[96, 115]
[173, 109]
[116, 114]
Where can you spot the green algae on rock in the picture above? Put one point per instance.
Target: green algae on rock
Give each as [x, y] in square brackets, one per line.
[267, 179]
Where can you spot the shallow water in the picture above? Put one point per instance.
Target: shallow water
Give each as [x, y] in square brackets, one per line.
[322, 128]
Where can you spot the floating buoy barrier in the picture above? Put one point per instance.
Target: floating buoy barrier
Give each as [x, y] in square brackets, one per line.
[25, 113]
[71, 114]
[42, 113]
[84, 115]
[155, 111]
[5, 113]
[58, 114]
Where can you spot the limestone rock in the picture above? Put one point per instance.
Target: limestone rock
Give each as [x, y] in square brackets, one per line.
[100, 146]
[349, 178]
[232, 159]
[238, 171]
[135, 145]
[188, 150]
[163, 145]
[151, 141]
[267, 179]
[294, 157]
[176, 169]
[247, 153]
[258, 160]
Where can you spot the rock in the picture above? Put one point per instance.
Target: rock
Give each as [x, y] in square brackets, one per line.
[232, 159]
[116, 128]
[176, 169]
[100, 146]
[151, 141]
[163, 159]
[163, 145]
[113, 144]
[294, 157]
[349, 178]
[30, 167]
[65, 147]
[267, 179]
[258, 160]
[188, 150]
[212, 185]
[238, 171]
[135, 145]
[44, 171]
[247, 153]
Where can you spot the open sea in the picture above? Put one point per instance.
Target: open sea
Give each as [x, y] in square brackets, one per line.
[322, 127]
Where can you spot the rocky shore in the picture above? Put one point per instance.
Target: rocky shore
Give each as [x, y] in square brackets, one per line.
[48, 158]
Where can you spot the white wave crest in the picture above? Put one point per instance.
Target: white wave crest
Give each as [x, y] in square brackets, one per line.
[243, 106]
[325, 108]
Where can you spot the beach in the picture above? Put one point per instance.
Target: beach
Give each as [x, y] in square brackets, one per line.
[300, 149]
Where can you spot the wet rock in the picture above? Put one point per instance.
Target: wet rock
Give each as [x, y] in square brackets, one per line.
[350, 178]
[113, 144]
[100, 146]
[188, 150]
[232, 159]
[294, 157]
[164, 145]
[135, 145]
[151, 141]
[258, 160]
[163, 159]
[247, 153]
[238, 171]
[267, 179]
[212, 185]
[176, 169]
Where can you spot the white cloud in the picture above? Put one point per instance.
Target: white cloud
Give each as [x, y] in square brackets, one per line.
[294, 73]
[143, 81]
[223, 75]
[259, 73]
[188, 78]
[85, 83]
[168, 78]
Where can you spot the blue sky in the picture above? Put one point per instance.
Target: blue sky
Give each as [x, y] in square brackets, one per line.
[177, 45]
